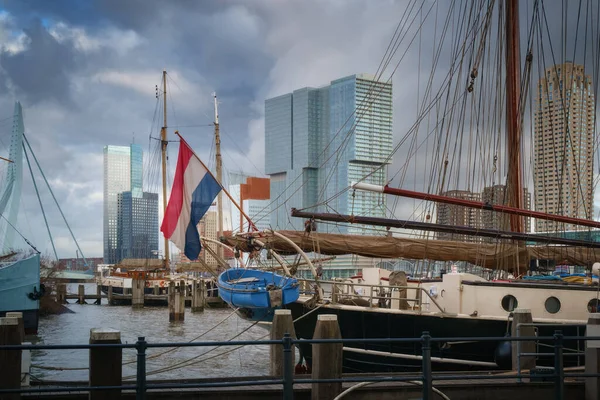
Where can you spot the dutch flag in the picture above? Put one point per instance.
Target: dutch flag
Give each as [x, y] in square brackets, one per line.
[194, 189]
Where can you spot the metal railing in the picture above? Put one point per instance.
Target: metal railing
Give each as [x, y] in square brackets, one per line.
[349, 292]
[288, 380]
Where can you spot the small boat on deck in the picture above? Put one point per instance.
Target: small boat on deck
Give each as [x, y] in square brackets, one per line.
[257, 294]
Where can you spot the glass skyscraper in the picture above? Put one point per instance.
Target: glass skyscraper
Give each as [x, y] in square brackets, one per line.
[319, 140]
[123, 173]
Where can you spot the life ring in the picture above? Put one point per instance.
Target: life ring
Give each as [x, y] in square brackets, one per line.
[162, 284]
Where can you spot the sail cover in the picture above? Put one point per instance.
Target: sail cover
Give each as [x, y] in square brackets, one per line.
[487, 255]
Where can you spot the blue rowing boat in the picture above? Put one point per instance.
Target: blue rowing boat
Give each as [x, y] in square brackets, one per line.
[257, 294]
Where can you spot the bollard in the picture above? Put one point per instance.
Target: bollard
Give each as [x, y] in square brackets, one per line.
[282, 324]
[105, 364]
[10, 360]
[19, 316]
[592, 358]
[519, 363]
[109, 295]
[81, 295]
[137, 293]
[327, 358]
[197, 296]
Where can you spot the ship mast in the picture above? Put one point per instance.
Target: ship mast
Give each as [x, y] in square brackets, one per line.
[164, 143]
[514, 179]
[219, 163]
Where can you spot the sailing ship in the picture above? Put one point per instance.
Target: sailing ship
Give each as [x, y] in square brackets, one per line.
[377, 303]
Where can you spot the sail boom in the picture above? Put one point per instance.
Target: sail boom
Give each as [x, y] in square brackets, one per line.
[476, 204]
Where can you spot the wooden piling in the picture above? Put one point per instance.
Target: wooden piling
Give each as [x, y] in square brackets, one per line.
[327, 358]
[81, 294]
[522, 316]
[99, 294]
[61, 294]
[105, 364]
[19, 316]
[109, 295]
[156, 290]
[10, 360]
[282, 324]
[197, 296]
[137, 293]
[176, 302]
[592, 358]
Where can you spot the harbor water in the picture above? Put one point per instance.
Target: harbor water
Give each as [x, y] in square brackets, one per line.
[152, 323]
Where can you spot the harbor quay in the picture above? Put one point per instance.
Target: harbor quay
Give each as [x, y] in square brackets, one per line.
[286, 379]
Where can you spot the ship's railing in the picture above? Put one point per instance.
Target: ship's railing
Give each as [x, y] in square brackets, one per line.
[426, 378]
[381, 295]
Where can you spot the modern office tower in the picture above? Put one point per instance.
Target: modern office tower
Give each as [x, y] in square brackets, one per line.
[123, 172]
[137, 226]
[494, 220]
[319, 140]
[253, 195]
[564, 147]
[453, 215]
[207, 227]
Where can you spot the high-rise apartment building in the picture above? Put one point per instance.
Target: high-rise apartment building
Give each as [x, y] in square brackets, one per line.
[136, 211]
[207, 227]
[454, 215]
[500, 221]
[319, 140]
[564, 147]
[137, 226]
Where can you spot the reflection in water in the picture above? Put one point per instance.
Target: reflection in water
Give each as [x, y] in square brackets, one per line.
[152, 323]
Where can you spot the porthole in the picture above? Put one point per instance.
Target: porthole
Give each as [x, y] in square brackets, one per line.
[552, 305]
[593, 305]
[509, 303]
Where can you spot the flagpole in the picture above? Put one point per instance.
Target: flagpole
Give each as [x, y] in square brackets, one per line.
[222, 188]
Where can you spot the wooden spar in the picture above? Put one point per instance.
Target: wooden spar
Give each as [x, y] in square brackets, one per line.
[475, 204]
[164, 143]
[514, 185]
[219, 182]
[461, 230]
[6, 159]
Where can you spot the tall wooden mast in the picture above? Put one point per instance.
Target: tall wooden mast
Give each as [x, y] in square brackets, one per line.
[514, 179]
[219, 178]
[163, 138]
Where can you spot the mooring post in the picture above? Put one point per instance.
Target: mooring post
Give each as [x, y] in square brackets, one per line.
[19, 316]
[522, 316]
[141, 345]
[109, 295]
[99, 294]
[137, 293]
[156, 290]
[327, 358]
[282, 324]
[81, 295]
[182, 290]
[10, 360]
[197, 297]
[559, 386]
[61, 294]
[171, 301]
[105, 363]
[427, 378]
[592, 358]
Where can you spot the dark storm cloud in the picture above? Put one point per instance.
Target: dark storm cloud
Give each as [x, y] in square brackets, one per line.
[41, 71]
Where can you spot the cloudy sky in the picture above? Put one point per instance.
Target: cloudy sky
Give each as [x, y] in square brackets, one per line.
[85, 72]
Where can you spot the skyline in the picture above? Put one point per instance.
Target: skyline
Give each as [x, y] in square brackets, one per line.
[86, 77]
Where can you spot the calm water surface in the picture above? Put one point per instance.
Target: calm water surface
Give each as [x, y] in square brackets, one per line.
[153, 323]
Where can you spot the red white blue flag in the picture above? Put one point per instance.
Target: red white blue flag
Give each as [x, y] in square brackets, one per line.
[193, 192]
